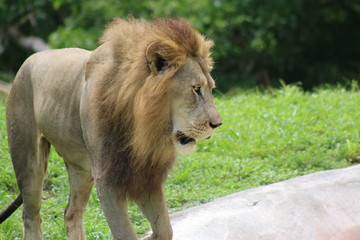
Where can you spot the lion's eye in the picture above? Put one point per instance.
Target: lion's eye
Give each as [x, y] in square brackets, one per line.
[197, 90]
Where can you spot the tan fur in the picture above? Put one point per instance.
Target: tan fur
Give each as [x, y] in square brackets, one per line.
[117, 115]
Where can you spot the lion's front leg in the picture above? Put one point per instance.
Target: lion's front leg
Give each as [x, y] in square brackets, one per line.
[154, 208]
[81, 183]
[116, 211]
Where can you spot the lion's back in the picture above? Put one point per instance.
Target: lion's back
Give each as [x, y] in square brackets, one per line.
[54, 67]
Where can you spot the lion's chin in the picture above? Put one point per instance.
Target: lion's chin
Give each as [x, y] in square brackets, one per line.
[184, 144]
[186, 148]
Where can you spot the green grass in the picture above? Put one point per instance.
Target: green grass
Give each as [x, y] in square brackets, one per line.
[265, 138]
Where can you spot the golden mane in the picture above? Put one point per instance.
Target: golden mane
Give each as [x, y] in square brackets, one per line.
[133, 105]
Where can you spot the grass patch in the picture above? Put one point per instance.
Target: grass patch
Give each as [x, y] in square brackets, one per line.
[265, 138]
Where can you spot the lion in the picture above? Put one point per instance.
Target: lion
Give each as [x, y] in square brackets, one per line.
[118, 116]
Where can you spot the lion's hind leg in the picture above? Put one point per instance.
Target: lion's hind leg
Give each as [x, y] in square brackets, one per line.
[30, 167]
[29, 152]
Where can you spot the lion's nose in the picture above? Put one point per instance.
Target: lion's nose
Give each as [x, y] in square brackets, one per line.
[215, 125]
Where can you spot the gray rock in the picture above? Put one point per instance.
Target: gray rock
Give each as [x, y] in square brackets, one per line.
[319, 206]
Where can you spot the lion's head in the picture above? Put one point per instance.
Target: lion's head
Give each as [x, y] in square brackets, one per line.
[192, 109]
[154, 97]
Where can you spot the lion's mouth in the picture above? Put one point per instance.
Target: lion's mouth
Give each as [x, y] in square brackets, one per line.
[183, 139]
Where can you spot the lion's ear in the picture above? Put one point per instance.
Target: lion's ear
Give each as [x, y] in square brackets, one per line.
[161, 55]
[156, 61]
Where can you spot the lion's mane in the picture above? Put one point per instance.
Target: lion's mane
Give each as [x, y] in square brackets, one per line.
[133, 104]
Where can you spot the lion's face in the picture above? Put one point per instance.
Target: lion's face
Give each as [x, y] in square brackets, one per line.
[193, 112]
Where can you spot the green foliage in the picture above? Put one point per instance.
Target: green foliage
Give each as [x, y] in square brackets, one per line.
[266, 137]
[312, 42]
[32, 18]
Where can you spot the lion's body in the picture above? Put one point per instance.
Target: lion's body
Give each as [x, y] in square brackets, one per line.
[117, 116]
[53, 109]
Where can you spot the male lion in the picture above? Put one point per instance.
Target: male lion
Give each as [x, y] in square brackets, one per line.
[117, 115]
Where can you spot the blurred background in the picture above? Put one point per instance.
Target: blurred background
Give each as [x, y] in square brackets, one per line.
[258, 42]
